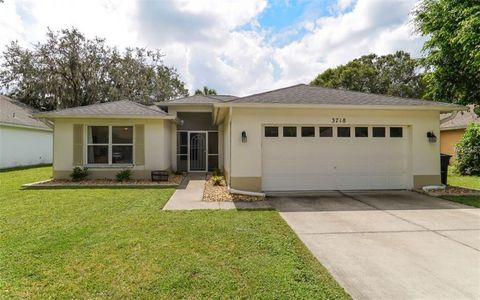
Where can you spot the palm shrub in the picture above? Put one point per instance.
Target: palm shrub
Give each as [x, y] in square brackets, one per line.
[468, 151]
[217, 180]
[124, 175]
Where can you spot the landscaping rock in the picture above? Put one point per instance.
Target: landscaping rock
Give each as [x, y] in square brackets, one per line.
[220, 193]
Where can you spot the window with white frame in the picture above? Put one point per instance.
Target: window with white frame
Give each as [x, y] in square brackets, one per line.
[109, 145]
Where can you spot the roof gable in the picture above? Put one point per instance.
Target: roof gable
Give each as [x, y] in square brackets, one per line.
[17, 113]
[461, 120]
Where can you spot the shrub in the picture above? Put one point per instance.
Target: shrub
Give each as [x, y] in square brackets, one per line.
[217, 172]
[124, 175]
[79, 173]
[217, 180]
[468, 151]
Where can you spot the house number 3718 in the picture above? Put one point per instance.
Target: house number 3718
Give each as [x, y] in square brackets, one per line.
[339, 120]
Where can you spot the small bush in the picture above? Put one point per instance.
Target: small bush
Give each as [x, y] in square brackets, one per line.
[217, 180]
[124, 175]
[79, 173]
[217, 172]
[468, 151]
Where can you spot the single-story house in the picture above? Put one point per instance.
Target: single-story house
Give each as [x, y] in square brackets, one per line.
[452, 128]
[24, 140]
[290, 139]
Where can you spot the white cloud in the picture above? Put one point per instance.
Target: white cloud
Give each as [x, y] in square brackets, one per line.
[373, 26]
[207, 41]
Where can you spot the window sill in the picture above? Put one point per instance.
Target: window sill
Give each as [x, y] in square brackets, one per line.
[116, 166]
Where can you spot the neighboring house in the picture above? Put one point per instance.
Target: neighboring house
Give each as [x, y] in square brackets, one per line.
[296, 138]
[452, 128]
[24, 141]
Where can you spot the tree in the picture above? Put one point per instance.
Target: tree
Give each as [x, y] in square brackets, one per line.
[206, 91]
[468, 151]
[69, 70]
[393, 74]
[452, 53]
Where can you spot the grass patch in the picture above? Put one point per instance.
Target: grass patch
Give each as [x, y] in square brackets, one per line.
[472, 182]
[455, 179]
[118, 243]
[467, 200]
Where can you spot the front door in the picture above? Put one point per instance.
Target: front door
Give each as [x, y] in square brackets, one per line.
[198, 151]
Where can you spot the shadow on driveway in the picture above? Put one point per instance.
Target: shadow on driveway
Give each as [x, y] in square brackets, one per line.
[359, 201]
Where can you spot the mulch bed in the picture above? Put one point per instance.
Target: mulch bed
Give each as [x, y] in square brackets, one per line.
[173, 180]
[220, 193]
[454, 191]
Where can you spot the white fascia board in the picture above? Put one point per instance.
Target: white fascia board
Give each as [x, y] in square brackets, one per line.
[24, 126]
[54, 116]
[182, 104]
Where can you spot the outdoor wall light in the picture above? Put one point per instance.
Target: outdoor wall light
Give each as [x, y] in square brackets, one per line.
[244, 137]
[432, 138]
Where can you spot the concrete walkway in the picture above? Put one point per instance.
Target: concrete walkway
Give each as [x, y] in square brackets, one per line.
[189, 194]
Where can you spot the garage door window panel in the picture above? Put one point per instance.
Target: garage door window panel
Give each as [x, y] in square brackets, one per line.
[271, 131]
[378, 131]
[308, 131]
[326, 131]
[289, 131]
[361, 131]
[343, 132]
[396, 132]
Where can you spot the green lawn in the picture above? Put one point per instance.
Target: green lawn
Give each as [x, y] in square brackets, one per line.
[468, 200]
[467, 182]
[117, 243]
[464, 181]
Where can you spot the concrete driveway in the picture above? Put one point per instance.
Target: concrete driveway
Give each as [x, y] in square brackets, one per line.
[392, 244]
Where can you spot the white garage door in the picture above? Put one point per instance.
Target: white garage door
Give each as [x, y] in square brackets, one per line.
[296, 158]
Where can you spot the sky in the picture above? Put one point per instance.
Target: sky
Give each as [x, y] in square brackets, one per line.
[237, 47]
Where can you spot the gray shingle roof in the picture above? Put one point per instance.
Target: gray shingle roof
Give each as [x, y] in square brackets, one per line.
[119, 108]
[461, 120]
[17, 113]
[307, 94]
[200, 99]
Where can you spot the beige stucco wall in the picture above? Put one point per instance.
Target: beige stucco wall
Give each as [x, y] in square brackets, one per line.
[248, 156]
[448, 140]
[157, 147]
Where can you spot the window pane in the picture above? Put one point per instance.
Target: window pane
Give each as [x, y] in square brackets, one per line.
[182, 142]
[182, 138]
[289, 131]
[361, 131]
[308, 131]
[212, 162]
[182, 163]
[183, 150]
[271, 131]
[326, 131]
[97, 155]
[213, 142]
[122, 135]
[396, 132]
[98, 134]
[343, 131]
[122, 154]
[378, 131]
